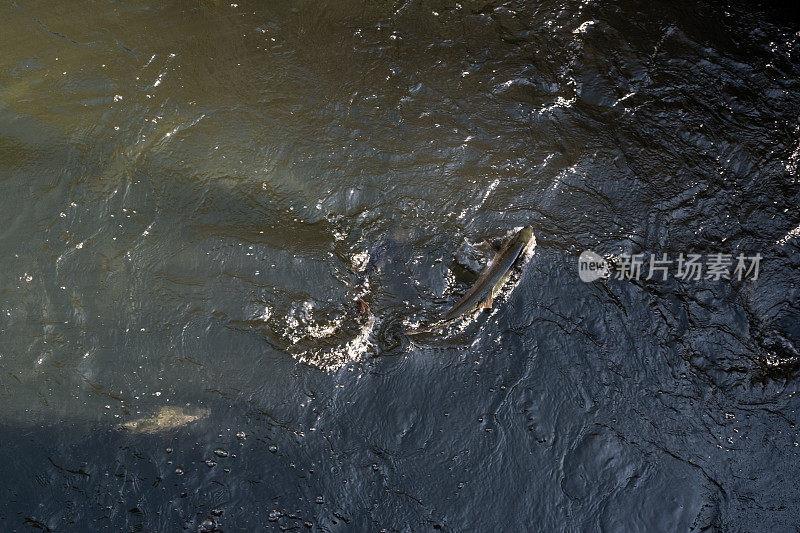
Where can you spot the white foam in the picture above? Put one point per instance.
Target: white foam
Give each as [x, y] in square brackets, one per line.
[336, 358]
[789, 236]
[585, 26]
[360, 261]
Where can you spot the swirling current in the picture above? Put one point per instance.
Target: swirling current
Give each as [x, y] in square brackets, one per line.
[220, 218]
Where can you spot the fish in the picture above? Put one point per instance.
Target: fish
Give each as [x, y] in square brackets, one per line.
[490, 282]
[165, 419]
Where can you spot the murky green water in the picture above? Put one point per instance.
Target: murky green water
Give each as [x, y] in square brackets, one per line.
[231, 210]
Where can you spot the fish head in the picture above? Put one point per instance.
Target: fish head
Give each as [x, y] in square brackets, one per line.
[526, 234]
[528, 241]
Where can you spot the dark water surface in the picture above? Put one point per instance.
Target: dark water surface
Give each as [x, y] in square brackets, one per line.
[197, 197]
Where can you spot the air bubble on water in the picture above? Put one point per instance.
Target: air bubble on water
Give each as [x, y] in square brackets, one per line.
[220, 452]
[273, 448]
[241, 435]
[179, 471]
[211, 463]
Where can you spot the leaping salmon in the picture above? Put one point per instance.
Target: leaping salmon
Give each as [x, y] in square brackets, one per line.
[489, 283]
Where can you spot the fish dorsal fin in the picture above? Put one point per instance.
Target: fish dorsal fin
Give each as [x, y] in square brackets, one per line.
[493, 245]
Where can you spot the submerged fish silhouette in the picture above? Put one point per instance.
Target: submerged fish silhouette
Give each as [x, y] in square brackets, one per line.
[166, 418]
[488, 284]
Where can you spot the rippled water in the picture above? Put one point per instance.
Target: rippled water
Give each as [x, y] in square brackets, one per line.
[219, 217]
